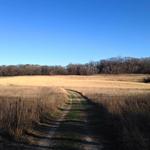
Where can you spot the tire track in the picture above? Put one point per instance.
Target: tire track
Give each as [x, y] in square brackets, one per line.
[48, 142]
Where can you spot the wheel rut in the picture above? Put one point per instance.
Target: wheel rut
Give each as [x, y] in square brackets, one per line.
[75, 131]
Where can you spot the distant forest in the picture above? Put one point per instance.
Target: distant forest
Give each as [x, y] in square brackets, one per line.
[107, 66]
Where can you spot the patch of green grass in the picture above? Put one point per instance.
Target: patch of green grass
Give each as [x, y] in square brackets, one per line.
[73, 115]
[67, 146]
[69, 131]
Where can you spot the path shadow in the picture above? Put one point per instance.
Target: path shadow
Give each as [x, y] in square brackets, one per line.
[110, 128]
[76, 141]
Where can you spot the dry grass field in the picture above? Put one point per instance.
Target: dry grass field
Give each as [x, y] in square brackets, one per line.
[98, 81]
[21, 106]
[122, 102]
[104, 84]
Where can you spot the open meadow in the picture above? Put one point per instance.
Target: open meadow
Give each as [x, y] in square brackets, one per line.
[134, 82]
[75, 75]
[122, 105]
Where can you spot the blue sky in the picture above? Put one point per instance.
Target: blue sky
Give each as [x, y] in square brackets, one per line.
[58, 32]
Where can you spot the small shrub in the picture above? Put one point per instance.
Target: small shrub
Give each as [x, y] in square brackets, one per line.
[147, 80]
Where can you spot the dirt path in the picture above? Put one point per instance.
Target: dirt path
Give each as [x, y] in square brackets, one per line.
[73, 131]
[46, 142]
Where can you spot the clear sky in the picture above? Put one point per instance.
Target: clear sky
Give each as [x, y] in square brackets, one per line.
[63, 31]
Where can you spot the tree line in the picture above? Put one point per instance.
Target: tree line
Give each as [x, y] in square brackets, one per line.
[108, 66]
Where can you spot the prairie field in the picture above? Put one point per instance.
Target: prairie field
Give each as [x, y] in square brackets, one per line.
[21, 106]
[75, 75]
[122, 105]
[104, 84]
[67, 81]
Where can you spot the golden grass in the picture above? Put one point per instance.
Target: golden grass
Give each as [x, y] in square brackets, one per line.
[123, 104]
[98, 81]
[22, 106]
[122, 96]
[123, 119]
[101, 84]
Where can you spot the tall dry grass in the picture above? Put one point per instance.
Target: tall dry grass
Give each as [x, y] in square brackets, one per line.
[18, 112]
[98, 81]
[122, 105]
[124, 120]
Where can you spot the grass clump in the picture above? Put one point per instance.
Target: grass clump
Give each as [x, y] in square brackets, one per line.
[124, 120]
[19, 113]
[146, 80]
